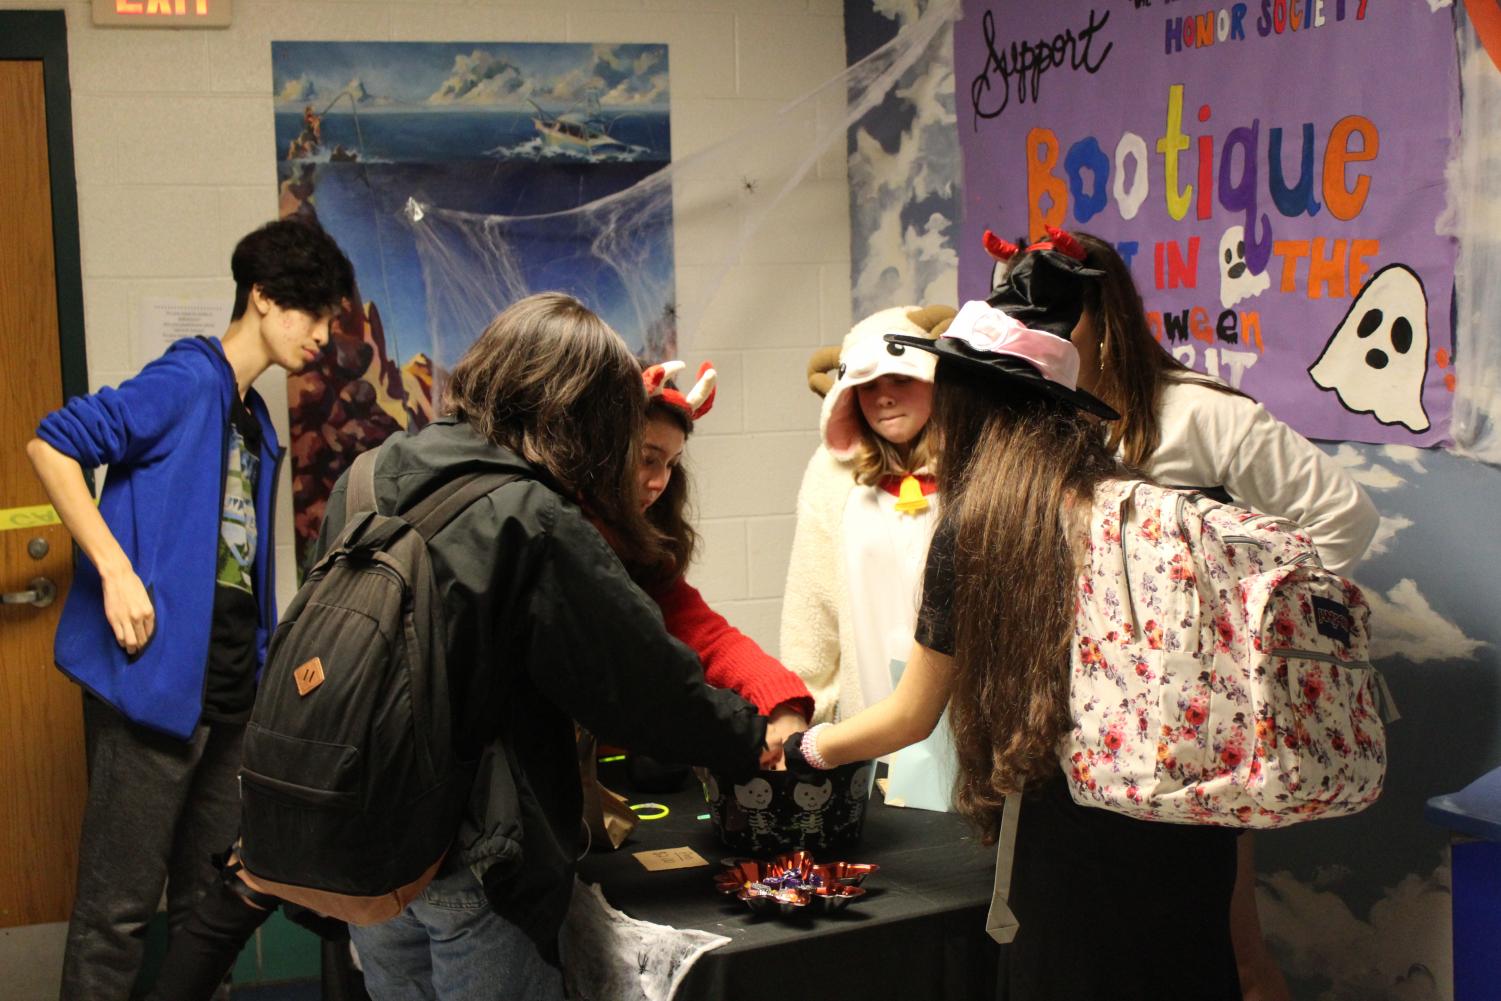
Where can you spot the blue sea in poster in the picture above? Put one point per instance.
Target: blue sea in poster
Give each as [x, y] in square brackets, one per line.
[501, 130]
[507, 136]
[488, 163]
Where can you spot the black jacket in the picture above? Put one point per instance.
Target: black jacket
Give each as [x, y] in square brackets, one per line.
[544, 628]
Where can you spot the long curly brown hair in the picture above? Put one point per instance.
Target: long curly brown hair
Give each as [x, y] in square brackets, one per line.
[1019, 469]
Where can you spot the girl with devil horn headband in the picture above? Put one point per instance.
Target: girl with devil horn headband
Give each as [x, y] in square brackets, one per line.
[731, 659]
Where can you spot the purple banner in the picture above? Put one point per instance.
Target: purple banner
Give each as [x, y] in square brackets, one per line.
[1273, 172]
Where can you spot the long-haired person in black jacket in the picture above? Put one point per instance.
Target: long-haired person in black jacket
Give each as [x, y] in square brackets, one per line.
[544, 628]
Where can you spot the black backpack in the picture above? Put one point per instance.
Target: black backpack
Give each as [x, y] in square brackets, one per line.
[350, 788]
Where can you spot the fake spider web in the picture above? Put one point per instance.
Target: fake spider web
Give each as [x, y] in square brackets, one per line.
[649, 258]
[655, 254]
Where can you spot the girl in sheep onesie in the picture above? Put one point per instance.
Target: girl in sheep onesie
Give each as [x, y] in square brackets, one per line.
[865, 512]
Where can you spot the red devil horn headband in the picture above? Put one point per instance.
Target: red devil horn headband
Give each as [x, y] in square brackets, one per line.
[1001, 250]
[698, 400]
[1063, 242]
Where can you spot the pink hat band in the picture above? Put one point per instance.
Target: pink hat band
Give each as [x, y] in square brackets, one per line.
[986, 328]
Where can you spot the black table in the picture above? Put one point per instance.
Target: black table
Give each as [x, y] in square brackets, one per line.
[919, 932]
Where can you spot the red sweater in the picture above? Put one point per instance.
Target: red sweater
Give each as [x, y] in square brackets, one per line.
[731, 659]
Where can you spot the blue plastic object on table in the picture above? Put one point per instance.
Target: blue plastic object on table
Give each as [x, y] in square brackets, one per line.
[1474, 814]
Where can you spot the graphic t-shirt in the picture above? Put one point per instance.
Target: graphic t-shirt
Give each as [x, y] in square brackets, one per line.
[229, 689]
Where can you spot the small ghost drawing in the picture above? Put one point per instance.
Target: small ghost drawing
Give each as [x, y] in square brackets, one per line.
[1236, 280]
[1377, 358]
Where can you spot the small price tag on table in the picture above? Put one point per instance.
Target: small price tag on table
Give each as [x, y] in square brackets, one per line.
[670, 858]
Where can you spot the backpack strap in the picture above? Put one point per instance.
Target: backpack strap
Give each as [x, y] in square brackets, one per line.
[447, 502]
[1000, 923]
[359, 489]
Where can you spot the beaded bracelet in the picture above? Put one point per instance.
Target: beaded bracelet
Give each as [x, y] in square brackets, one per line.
[809, 748]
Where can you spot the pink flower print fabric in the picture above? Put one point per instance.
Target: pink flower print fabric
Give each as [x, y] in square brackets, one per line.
[1219, 674]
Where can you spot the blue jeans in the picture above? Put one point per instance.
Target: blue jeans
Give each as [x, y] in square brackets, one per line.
[448, 945]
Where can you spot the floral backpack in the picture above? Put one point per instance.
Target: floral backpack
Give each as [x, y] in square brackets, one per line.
[1220, 675]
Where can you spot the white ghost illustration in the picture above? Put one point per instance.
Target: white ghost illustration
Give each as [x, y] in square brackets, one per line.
[1236, 281]
[1377, 358]
[754, 795]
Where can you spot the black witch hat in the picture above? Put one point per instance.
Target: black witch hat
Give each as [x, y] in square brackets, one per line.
[1021, 333]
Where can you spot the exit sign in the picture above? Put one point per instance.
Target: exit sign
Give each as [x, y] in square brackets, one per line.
[162, 13]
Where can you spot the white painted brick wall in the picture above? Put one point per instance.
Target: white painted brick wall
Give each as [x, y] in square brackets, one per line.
[173, 138]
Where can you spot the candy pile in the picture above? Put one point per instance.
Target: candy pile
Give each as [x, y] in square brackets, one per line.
[793, 883]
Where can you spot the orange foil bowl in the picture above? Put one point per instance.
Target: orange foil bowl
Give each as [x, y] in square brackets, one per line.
[794, 883]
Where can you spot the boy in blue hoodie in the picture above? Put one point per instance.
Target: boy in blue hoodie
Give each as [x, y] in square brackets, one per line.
[166, 624]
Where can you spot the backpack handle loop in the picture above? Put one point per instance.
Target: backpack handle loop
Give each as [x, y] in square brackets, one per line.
[1128, 606]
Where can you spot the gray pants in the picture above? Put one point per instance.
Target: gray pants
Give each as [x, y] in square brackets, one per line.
[158, 809]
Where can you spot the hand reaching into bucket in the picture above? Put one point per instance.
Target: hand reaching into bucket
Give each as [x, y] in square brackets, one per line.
[783, 722]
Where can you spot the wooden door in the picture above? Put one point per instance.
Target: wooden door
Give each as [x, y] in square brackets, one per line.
[42, 775]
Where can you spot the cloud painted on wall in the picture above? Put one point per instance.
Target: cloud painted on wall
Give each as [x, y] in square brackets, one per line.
[1400, 952]
[1403, 622]
[1390, 525]
[1366, 471]
[1405, 625]
[902, 252]
[1405, 455]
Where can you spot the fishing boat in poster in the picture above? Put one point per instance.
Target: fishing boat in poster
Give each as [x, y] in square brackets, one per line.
[579, 129]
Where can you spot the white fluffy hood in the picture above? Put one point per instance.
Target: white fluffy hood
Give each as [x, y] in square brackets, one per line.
[866, 356]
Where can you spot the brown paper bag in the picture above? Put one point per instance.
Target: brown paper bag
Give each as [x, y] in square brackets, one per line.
[610, 820]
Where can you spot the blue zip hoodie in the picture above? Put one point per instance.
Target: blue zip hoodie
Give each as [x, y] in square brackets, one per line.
[164, 435]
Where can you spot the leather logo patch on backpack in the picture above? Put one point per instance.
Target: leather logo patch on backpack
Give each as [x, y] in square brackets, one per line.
[1332, 619]
[309, 676]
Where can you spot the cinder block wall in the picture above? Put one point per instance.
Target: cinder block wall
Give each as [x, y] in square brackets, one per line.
[174, 145]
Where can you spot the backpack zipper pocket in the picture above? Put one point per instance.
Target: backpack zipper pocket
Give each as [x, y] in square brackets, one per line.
[1385, 704]
[291, 792]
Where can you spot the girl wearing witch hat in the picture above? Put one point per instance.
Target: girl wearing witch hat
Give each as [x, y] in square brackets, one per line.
[1183, 428]
[1108, 906]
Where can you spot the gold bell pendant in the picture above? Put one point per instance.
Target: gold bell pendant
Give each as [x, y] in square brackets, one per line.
[909, 498]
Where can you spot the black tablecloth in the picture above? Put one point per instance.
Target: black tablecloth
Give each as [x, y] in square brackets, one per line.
[919, 932]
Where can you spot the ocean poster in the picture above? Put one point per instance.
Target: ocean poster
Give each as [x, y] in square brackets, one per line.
[377, 141]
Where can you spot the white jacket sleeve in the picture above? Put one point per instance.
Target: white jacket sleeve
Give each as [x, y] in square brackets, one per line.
[810, 601]
[1211, 438]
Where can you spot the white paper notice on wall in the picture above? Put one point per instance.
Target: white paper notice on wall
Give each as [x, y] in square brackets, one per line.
[164, 320]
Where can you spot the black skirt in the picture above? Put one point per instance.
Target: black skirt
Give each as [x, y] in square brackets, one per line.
[1111, 907]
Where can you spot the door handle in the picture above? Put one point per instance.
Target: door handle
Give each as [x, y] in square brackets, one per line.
[42, 592]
